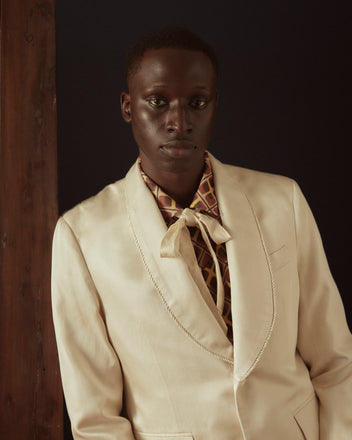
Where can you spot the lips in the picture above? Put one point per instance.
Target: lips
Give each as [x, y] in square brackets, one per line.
[179, 147]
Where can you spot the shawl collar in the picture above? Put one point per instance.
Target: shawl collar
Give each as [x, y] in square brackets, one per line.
[252, 285]
[181, 293]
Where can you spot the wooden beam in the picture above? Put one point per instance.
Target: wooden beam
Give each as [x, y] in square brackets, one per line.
[30, 389]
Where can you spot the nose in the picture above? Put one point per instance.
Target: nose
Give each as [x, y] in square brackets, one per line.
[178, 119]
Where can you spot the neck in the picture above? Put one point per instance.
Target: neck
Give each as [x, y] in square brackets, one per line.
[181, 186]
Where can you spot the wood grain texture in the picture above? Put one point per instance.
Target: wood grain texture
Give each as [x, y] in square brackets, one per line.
[30, 388]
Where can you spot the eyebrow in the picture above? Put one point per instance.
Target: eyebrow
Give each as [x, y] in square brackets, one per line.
[157, 86]
[202, 87]
[161, 86]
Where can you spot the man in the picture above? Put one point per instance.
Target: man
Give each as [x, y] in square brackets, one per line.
[192, 299]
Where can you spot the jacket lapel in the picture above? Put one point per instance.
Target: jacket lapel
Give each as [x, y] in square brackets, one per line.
[252, 287]
[171, 277]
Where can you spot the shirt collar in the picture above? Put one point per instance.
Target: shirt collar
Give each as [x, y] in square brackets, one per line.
[204, 199]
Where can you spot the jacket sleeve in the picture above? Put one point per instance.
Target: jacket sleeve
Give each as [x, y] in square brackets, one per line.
[324, 340]
[90, 369]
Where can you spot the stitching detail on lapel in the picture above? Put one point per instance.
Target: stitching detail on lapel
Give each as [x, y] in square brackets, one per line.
[273, 289]
[229, 362]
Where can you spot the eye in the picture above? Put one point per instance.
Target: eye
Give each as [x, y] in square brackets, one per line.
[156, 101]
[198, 102]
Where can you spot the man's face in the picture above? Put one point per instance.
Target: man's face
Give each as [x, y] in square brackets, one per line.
[171, 106]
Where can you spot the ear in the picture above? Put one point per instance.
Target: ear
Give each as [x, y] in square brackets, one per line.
[125, 102]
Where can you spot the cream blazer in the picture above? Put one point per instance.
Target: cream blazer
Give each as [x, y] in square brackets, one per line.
[142, 352]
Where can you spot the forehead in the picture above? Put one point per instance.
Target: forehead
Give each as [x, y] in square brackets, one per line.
[170, 66]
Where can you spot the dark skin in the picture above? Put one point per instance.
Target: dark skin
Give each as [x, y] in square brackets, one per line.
[171, 106]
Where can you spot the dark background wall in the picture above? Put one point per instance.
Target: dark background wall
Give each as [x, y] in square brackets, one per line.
[285, 98]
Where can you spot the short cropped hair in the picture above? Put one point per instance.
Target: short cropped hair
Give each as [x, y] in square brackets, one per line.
[168, 37]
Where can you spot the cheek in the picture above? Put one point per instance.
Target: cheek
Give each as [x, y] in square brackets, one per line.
[206, 124]
[144, 124]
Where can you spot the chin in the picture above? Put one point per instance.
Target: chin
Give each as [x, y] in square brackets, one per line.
[185, 165]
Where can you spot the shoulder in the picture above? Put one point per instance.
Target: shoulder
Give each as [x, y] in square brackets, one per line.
[249, 177]
[255, 184]
[98, 210]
